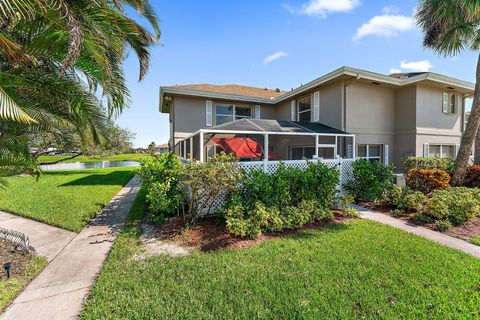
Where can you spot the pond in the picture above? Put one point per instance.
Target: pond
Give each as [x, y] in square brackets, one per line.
[88, 165]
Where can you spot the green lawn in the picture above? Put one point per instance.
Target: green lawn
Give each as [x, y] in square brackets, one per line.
[10, 288]
[68, 199]
[360, 270]
[84, 158]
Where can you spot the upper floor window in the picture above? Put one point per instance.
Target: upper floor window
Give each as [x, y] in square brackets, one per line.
[449, 103]
[228, 112]
[305, 110]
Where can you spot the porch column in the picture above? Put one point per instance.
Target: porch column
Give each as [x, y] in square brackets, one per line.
[354, 148]
[191, 149]
[265, 153]
[316, 146]
[201, 146]
[335, 150]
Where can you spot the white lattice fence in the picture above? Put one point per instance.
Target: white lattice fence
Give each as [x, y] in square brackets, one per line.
[344, 167]
[15, 237]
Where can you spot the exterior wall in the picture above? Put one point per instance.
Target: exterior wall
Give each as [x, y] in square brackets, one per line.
[405, 124]
[330, 105]
[370, 114]
[429, 110]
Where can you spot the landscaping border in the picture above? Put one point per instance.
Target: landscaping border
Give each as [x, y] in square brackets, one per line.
[16, 237]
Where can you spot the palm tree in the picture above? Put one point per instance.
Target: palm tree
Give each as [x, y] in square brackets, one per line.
[55, 55]
[451, 26]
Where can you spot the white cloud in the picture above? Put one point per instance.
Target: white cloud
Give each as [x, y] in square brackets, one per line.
[421, 66]
[275, 56]
[389, 24]
[322, 8]
[413, 66]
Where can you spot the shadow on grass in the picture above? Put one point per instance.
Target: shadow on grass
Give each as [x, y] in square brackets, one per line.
[116, 178]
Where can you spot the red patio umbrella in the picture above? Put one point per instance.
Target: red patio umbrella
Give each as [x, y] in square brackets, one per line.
[244, 148]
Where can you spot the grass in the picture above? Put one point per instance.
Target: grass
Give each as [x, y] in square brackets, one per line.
[11, 287]
[358, 270]
[67, 199]
[85, 158]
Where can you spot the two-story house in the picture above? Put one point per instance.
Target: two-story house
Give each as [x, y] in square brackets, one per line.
[391, 117]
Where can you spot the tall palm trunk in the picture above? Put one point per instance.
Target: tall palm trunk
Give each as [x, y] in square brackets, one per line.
[476, 159]
[469, 135]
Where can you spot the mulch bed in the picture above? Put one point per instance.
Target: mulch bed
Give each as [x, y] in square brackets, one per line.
[464, 232]
[209, 234]
[17, 255]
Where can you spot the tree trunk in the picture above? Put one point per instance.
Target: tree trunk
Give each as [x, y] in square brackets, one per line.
[469, 135]
[476, 153]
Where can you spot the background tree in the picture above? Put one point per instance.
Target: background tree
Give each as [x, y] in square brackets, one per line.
[451, 26]
[151, 148]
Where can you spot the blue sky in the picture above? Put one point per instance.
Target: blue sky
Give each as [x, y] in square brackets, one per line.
[275, 44]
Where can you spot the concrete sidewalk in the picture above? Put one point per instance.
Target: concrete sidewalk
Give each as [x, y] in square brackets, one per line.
[435, 236]
[59, 292]
[48, 241]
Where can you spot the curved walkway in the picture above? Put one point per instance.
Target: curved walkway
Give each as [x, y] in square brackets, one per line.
[60, 290]
[435, 236]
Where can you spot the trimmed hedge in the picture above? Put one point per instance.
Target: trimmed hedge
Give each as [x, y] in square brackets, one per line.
[472, 177]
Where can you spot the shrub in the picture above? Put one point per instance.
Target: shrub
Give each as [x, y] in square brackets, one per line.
[422, 217]
[458, 205]
[406, 199]
[371, 180]
[161, 177]
[428, 180]
[286, 199]
[397, 213]
[443, 225]
[428, 163]
[351, 213]
[204, 182]
[472, 177]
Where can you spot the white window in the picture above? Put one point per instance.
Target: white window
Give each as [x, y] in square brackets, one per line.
[372, 152]
[229, 112]
[449, 103]
[302, 152]
[304, 110]
[441, 151]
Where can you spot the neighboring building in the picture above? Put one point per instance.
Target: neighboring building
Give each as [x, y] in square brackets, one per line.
[408, 114]
[161, 148]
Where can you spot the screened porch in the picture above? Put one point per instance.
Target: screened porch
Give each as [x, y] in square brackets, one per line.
[268, 140]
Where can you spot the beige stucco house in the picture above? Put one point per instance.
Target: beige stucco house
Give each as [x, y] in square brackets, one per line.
[391, 117]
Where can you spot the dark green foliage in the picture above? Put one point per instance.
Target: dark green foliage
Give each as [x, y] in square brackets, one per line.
[161, 179]
[286, 199]
[371, 180]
